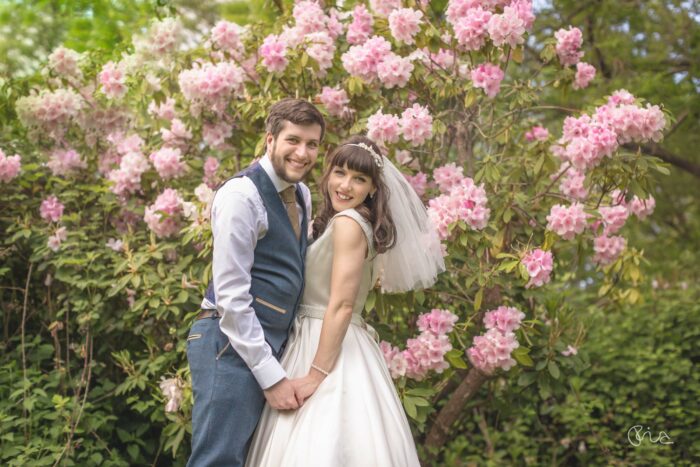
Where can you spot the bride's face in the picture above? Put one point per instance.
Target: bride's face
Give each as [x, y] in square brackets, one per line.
[348, 188]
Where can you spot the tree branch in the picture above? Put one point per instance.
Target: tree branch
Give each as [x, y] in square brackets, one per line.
[653, 149]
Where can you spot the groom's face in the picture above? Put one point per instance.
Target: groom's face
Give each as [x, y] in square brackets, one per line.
[295, 150]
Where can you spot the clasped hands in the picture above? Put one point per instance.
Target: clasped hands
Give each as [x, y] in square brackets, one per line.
[290, 394]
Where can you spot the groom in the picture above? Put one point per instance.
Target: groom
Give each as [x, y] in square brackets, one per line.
[259, 220]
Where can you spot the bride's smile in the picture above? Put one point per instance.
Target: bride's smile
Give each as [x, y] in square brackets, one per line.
[348, 188]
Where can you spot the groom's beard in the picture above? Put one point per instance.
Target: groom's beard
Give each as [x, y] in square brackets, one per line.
[278, 164]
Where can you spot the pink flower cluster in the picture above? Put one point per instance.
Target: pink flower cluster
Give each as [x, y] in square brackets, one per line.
[127, 178]
[64, 62]
[212, 84]
[211, 165]
[164, 36]
[488, 77]
[537, 133]
[383, 128]
[416, 124]
[474, 21]
[572, 184]
[465, 201]
[309, 16]
[49, 111]
[394, 71]
[630, 122]
[539, 265]
[113, 80]
[274, 54]
[614, 218]
[363, 60]
[51, 209]
[226, 36]
[321, 47]
[9, 166]
[404, 24]
[567, 222]
[384, 7]
[214, 134]
[361, 27]
[336, 101]
[608, 248]
[163, 216]
[418, 181]
[471, 30]
[568, 44]
[65, 162]
[493, 349]
[448, 176]
[642, 207]
[55, 240]
[164, 110]
[168, 163]
[507, 28]
[427, 351]
[584, 75]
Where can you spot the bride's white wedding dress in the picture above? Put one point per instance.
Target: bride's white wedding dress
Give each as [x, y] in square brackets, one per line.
[355, 417]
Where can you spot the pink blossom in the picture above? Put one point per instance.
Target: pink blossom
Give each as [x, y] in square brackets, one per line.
[607, 248]
[539, 265]
[164, 36]
[55, 240]
[211, 165]
[437, 321]
[177, 135]
[51, 209]
[404, 157]
[168, 163]
[383, 128]
[274, 54]
[493, 351]
[226, 36]
[164, 110]
[65, 161]
[457, 9]
[621, 96]
[394, 359]
[425, 353]
[506, 28]
[576, 127]
[384, 7]
[64, 62]
[50, 111]
[125, 144]
[362, 60]
[321, 48]
[416, 124]
[613, 218]
[404, 24]
[471, 30]
[570, 350]
[291, 37]
[309, 16]
[113, 80]
[525, 12]
[9, 167]
[584, 74]
[567, 222]
[361, 27]
[127, 178]
[394, 71]
[488, 77]
[537, 133]
[168, 203]
[334, 27]
[214, 134]
[465, 201]
[115, 244]
[572, 184]
[568, 44]
[418, 181]
[448, 176]
[212, 84]
[642, 207]
[335, 100]
[504, 319]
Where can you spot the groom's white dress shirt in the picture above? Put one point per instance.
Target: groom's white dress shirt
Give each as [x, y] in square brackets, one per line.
[238, 221]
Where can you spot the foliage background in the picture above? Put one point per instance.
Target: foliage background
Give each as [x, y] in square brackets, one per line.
[636, 366]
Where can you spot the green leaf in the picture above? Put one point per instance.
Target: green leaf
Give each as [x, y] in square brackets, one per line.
[371, 300]
[521, 356]
[454, 357]
[477, 299]
[553, 369]
[410, 407]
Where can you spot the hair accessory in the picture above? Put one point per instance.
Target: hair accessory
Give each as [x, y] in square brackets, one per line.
[377, 158]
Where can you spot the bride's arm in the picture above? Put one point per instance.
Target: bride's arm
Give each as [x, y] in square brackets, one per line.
[349, 252]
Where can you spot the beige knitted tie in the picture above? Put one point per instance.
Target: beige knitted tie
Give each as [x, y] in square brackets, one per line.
[290, 203]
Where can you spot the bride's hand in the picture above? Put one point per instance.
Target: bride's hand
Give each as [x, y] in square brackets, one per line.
[305, 386]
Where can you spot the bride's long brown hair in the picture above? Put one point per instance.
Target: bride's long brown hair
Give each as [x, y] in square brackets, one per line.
[374, 209]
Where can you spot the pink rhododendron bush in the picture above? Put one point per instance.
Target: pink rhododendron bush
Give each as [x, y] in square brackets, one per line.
[106, 195]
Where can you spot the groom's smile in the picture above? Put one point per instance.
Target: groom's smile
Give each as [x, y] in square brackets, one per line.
[295, 150]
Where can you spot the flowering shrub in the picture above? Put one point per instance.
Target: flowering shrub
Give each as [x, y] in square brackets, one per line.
[119, 158]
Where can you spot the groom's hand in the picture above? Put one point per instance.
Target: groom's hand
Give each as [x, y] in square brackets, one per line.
[281, 396]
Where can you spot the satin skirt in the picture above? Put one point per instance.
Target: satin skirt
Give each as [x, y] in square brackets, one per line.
[354, 418]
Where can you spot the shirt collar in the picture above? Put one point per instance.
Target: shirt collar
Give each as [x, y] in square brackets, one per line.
[279, 184]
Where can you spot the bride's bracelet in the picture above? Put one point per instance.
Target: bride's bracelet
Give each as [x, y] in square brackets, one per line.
[319, 369]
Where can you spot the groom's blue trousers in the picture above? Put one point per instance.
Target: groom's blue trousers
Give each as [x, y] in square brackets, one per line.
[228, 399]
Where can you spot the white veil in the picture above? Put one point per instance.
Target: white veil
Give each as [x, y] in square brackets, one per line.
[416, 259]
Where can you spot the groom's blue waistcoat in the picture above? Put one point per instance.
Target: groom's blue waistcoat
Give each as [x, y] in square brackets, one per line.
[278, 263]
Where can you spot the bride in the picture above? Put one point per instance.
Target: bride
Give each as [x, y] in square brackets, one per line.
[371, 226]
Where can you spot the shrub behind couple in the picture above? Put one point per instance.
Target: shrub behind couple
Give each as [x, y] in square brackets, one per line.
[281, 320]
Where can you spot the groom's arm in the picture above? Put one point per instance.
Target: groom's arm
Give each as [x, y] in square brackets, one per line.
[237, 223]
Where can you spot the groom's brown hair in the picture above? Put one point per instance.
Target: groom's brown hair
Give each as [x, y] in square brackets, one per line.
[297, 111]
